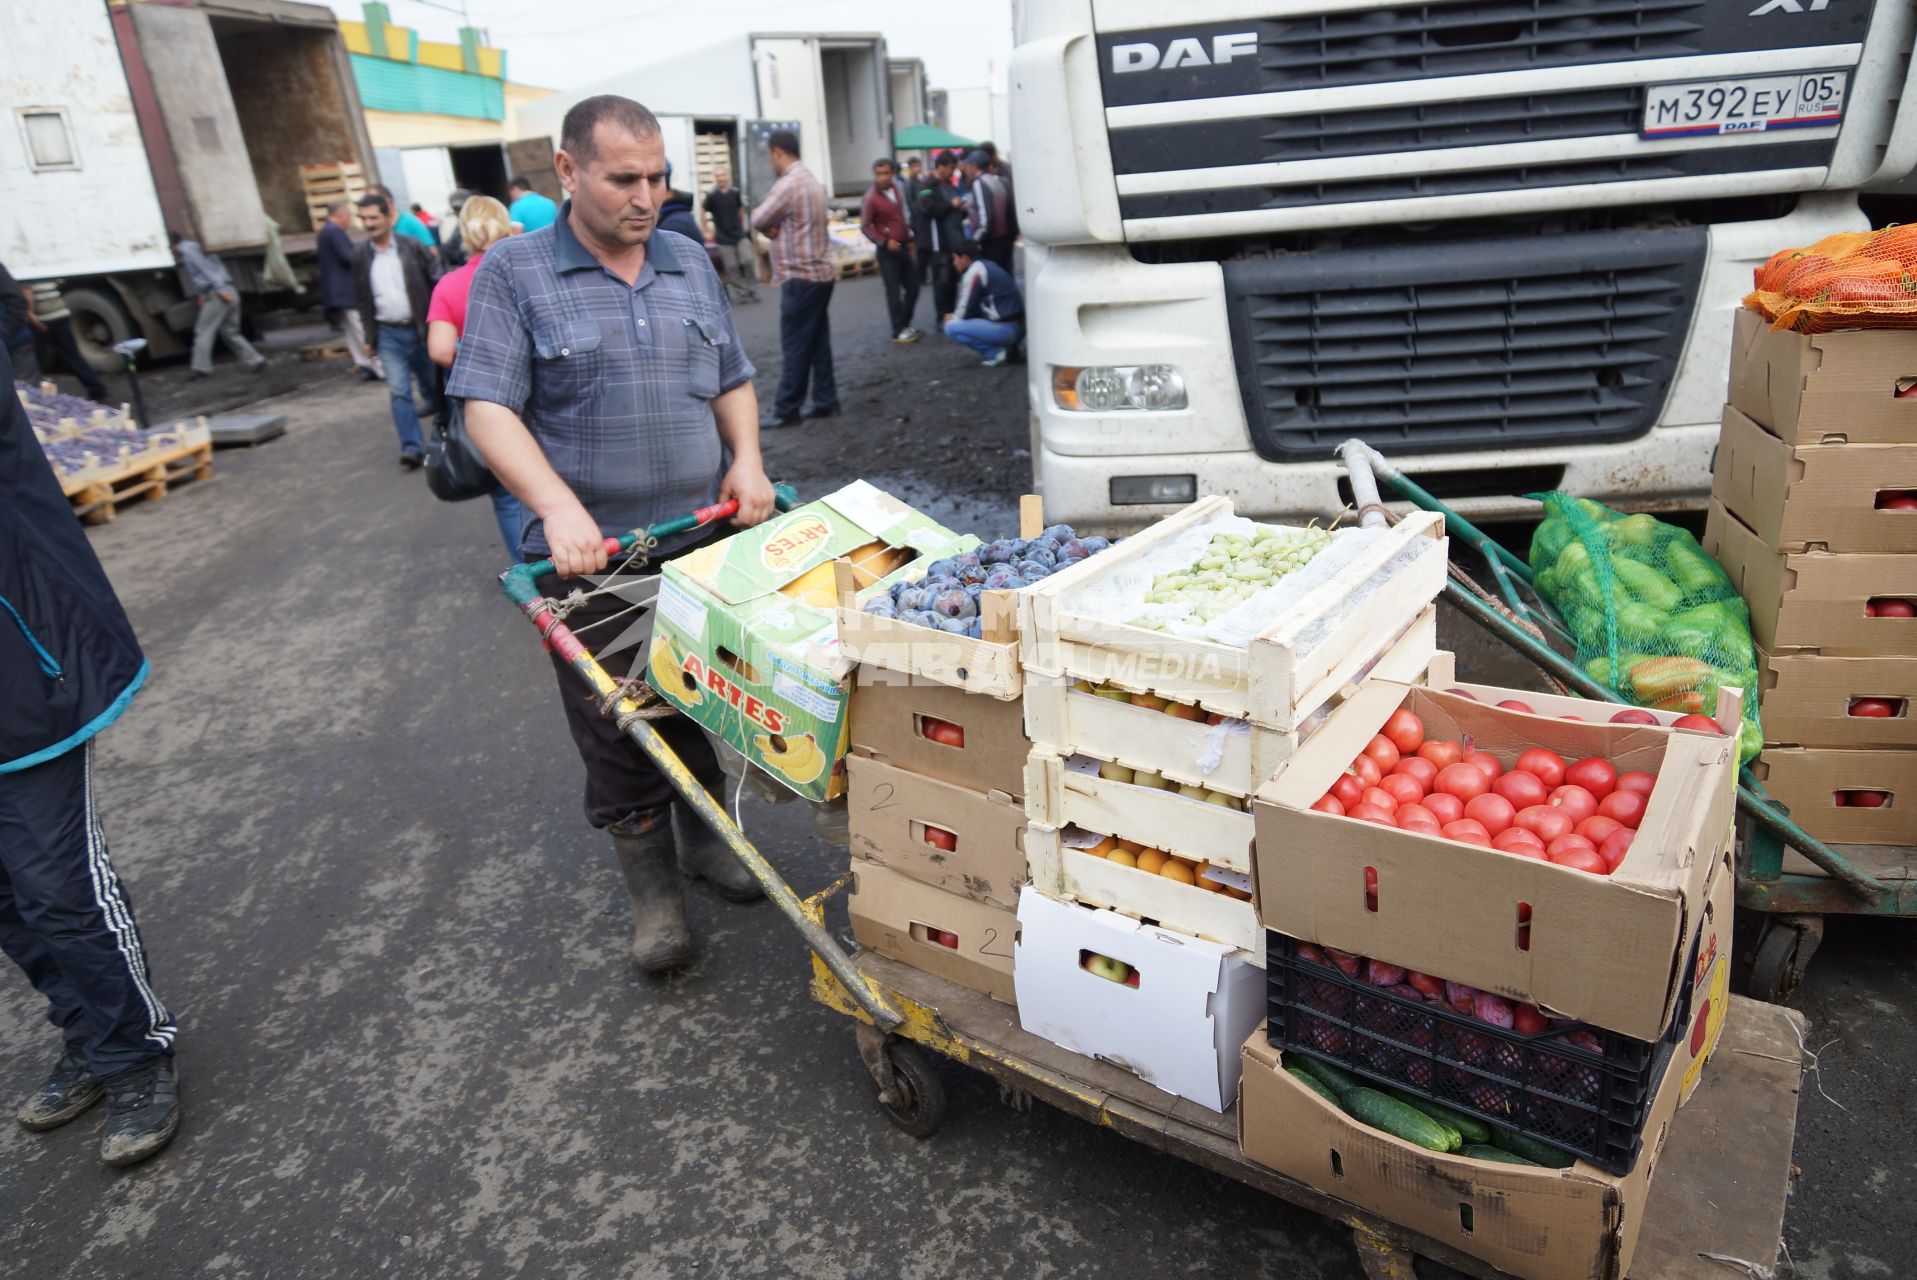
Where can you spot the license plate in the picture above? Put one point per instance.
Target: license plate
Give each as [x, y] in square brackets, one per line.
[1758, 104]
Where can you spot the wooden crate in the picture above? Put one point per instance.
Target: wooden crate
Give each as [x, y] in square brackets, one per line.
[1065, 873]
[97, 496]
[1058, 793]
[325, 183]
[1069, 721]
[1270, 682]
[851, 268]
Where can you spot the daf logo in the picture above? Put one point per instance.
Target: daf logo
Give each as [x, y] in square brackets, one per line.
[1189, 51]
[1789, 6]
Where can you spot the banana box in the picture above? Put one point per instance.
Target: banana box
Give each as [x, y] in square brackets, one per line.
[745, 640]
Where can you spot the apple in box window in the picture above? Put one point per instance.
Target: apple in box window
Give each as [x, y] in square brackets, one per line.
[941, 839]
[1107, 968]
[943, 732]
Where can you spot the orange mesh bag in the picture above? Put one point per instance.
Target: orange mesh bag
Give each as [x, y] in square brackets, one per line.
[1851, 280]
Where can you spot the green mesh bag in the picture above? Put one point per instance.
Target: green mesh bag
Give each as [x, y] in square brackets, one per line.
[1655, 619]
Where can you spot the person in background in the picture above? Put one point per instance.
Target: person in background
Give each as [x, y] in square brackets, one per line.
[938, 223]
[426, 219]
[406, 224]
[1000, 167]
[882, 217]
[676, 213]
[793, 217]
[988, 209]
[909, 178]
[52, 326]
[989, 314]
[452, 248]
[393, 283]
[530, 209]
[724, 203]
[15, 334]
[338, 294]
[483, 223]
[219, 303]
[69, 665]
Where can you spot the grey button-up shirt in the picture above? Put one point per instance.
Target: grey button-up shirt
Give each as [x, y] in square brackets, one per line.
[205, 272]
[614, 381]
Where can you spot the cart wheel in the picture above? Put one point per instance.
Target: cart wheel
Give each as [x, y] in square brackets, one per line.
[1782, 954]
[918, 1098]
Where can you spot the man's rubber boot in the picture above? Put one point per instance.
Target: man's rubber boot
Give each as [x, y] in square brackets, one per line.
[69, 1090]
[143, 1112]
[660, 939]
[705, 856]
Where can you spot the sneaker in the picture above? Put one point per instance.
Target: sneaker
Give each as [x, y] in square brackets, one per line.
[194, 375]
[412, 459]
[261, 367]
[996, 359]
[69, 1090]
[815, 411]
[908, 334]
[367, 375]
[143, 1112]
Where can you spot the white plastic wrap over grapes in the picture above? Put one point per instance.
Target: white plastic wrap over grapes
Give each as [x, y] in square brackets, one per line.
[1167, 590]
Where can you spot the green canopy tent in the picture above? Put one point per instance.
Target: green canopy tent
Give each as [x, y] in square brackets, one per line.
[926, 137]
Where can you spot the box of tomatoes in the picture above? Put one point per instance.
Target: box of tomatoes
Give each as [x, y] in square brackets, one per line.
[1554, 861]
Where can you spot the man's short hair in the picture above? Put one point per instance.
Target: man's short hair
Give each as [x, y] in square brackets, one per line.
[576, 132]
[967, 247]
[785, 140]
[173, 237]
[977, 158]
[989, 148]
[334, 206]
[375, 189]
[888, 162]
[519, 184]
[373, 200]
[944, 158]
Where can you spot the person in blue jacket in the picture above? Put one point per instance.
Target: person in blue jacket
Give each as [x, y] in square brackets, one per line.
[69, 665]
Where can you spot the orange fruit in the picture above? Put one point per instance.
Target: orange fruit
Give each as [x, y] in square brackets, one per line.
[1123, 857]
[1130, 846]
[1215, 886]
[1178, 869]
[1103, 847]
[1151, 860]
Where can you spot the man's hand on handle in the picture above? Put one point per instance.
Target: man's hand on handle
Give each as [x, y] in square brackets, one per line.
[577, 545]
[747, 482]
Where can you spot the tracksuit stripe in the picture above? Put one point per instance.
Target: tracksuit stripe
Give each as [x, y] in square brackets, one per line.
[112, 903]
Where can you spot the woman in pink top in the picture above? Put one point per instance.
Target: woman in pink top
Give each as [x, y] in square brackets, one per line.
[482, 221]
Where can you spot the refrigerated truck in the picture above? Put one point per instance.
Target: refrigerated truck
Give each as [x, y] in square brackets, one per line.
[1500, 242]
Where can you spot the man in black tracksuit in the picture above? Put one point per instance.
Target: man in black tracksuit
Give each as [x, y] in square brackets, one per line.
[69, 665]
[938, 223]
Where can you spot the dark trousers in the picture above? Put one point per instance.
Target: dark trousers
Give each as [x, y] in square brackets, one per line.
[67, 921]
[944, 282]
[621, 781]
[997, 249]
[59, 337]
[805, 342]
[900, 273]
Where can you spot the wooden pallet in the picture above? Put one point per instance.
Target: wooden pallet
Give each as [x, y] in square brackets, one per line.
[325, 183]
[97, 499]
[851, 268]
[331, 349]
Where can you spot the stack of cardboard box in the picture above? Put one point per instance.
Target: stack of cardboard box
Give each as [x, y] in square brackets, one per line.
[1814, 516]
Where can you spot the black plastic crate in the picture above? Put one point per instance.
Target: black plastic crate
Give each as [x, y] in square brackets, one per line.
[1577, 1087]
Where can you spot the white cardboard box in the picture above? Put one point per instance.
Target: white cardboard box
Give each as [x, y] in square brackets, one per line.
[1180, 1028]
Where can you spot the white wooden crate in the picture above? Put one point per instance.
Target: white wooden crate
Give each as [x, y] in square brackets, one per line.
[1271, 682]
[1072, 722]
[1059, 794]
[1068, 874]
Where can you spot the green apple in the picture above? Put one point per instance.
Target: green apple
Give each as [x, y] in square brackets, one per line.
[1112, 771]
[1147, 778]
[1190, 792]
[1220, 798]
[1106, 967]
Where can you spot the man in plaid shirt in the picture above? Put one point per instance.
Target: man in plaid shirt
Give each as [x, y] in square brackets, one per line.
[793, 217]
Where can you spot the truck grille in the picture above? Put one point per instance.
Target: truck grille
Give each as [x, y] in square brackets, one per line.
[1432, 348]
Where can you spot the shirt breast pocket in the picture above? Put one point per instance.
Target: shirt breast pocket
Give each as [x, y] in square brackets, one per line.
[568, 357]
[705, 347]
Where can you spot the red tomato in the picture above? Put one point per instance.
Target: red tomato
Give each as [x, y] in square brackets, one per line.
[1405, 730]
[1445, 806]
[1467, 831]
[1627, 807]
[1494, 813]
[1572, 841]
[1546, 766]
[1378, 798]
[1593, 774]
[1600, 824]
[1371, 813]
[1487, 762]
[940, 838]
[1863, 799]
[1890, 607]
[1421, 828]
[1522, 789]
[1465, 781]
[1442, 753]
[1367, 770]
[1512, 704]
[1877, 708]
[1544, 821]
[1637, 780]
[1462, 693]
[1633, 715]
[1896, 500]
[1383, 752]
[1703, 724]
[943, 732]
[1614, 846]
[1400, 787]
[1347, 789]
[1575, 802]
[1526, 1020]
[1581, 857]
[1519, 841]
[1419, 768]
[1328, 803]
[1415, 812]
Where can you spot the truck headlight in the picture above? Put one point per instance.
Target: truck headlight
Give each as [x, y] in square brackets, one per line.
[1112, 388]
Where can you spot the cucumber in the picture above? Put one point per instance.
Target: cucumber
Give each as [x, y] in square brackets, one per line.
[1531, 1149]
[1337, 1079]
[1469, 1130]
[1313, 1083]
[1381, 1111]
[1483, 1151]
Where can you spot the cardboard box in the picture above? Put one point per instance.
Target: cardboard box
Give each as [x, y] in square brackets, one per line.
[1442, 674]
[1800, 497]
[891, 713]
[1061, 869]
[1824, 388]
[1808, 696]
[1063, 791]
[1602, 949]
[1180, 1028]
[1814, 600]
[898, 917]
[893, 815]
[1808, 779]
[745, 641]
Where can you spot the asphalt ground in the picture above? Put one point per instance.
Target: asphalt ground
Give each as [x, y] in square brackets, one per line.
[411, 1043]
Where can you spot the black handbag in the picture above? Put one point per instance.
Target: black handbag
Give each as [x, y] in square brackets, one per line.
[454, 469]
